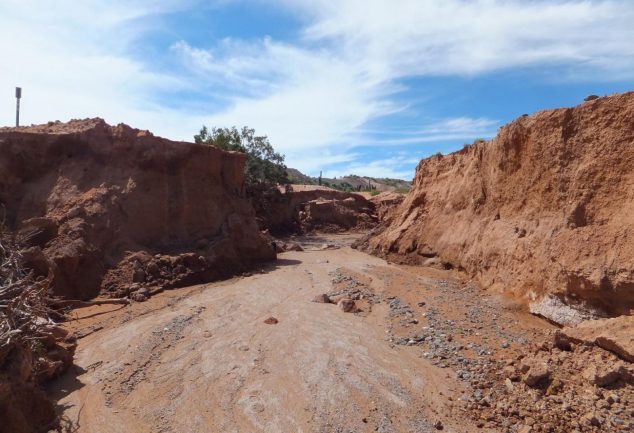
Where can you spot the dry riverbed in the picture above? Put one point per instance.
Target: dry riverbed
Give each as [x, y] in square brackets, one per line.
[421, 355]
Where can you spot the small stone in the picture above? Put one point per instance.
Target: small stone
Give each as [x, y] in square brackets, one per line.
[524, 429]
[554, 387]
[604, 376]
[347, 305]
[138, 276]
[438, 425]
[322, 299]
[140, 295]
[537, 372]
[152, 268]
[271, 321]
[592, 419]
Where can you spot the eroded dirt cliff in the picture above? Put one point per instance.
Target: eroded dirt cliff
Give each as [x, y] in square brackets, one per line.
[115, 209]
[545, 208]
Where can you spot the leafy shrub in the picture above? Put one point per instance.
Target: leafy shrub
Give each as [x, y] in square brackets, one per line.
[264, 165]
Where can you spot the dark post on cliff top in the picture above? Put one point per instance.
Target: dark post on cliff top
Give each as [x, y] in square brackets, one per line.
[18, 95]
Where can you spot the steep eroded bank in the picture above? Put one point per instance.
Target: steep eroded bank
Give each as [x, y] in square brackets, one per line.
[88, 195]
[545, 208]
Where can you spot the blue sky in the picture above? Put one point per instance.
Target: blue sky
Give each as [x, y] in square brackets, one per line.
[367, 87]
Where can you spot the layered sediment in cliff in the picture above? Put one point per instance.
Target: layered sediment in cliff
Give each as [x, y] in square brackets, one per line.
[545, 210]
[87, 196]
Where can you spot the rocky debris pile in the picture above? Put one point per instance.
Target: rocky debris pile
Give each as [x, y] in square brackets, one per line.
[348, 285]
[123, 191]
[304, 211]
[335, 215]
[615, 335]
[578, 381]
[140, 275]
[33, 348]
[348, 292]
[555, 388]
[548, 200]
[345, 304]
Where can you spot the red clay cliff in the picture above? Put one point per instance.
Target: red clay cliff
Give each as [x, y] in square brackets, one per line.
[545, 208]
[87, 196]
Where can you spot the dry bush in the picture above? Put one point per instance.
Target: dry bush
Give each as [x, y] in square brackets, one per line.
[24, 311]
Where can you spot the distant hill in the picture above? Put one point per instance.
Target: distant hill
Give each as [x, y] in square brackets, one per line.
[351, 182]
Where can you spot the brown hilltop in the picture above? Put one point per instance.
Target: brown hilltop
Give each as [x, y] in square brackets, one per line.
[89, 195]
[545, 208]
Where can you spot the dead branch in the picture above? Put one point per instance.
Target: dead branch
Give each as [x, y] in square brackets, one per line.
[74, 303]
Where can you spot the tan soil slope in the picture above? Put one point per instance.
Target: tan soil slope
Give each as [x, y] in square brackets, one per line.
[88, 193]
[547, 206]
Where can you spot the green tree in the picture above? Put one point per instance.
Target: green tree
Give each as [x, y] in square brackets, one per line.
[264, 165]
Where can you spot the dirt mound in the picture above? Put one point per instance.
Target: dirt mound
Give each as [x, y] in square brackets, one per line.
[312, 208]
[544, 209]
[89, 195]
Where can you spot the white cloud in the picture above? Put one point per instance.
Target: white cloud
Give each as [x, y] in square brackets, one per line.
[394, 167]
[413, 37]
[309, 99]
[321, 91]
[72, 60]
[314, 97]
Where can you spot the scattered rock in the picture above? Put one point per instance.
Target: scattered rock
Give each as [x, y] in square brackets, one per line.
[614, 334]
[602, 375]
[271, 321]
[524, 429]
[322, 299]
[139, 276]
[557, 311]
[293, 246]
[152, 268]
[347, 305]
[536, 372]
[140, 295]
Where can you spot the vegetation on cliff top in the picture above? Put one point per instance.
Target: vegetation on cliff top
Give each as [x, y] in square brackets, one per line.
[264, 165]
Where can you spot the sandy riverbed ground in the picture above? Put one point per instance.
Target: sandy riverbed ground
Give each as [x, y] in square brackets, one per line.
[201, 359]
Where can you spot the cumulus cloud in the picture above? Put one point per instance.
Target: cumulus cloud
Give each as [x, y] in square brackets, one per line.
[73, 60]
[412, 37]
[343, 73]
[317, 95]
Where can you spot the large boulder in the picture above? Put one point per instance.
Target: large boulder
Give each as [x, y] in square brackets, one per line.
[615, 335]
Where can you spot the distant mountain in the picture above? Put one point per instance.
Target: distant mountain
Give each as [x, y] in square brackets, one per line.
[351, 182]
